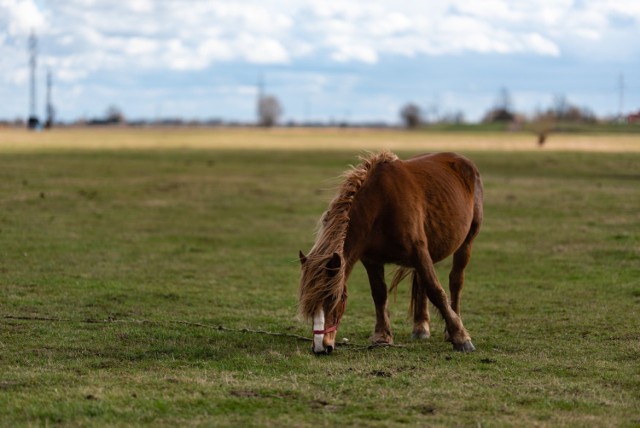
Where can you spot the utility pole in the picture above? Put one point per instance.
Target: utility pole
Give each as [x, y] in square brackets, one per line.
[33, 53]
[49, 106]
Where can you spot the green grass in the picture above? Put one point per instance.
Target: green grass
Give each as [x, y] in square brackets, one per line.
[211, 237]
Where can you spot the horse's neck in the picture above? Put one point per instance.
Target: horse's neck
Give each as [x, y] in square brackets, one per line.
[354, 242]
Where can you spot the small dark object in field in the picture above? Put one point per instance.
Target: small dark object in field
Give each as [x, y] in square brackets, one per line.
[425, 410]
[324, 405]
[380, 373]
[542, 137]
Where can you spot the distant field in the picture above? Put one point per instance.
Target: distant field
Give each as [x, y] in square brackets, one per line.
[117, 268]
[304, 139]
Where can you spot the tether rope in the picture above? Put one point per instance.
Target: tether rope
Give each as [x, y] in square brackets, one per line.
[218, 327]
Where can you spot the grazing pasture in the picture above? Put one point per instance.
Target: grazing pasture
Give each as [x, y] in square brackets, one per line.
[118, 269]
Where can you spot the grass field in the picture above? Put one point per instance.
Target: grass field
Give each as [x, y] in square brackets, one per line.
[118, 266]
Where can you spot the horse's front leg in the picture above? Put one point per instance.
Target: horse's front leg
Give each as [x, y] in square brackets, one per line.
[382, 333]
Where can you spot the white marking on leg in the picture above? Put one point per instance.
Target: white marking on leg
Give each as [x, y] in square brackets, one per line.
[318, 324]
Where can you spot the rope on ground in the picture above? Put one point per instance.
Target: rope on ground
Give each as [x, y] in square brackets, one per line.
[196, 324]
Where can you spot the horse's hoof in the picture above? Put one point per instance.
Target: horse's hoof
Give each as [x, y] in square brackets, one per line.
[464, 347]
[420, 335]
[382, 339]
[326, 351]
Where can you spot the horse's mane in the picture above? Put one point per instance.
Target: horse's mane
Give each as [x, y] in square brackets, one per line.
[315, 284]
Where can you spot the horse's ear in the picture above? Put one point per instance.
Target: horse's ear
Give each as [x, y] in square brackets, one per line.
[334, 263]
[303, 258]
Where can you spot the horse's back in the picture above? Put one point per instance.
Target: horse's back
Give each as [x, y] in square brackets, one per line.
[451, 189]
[443, 168]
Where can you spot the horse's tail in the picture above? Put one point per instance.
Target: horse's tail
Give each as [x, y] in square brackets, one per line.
[417, 293]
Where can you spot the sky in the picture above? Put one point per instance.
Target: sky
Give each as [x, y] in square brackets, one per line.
[325, 60]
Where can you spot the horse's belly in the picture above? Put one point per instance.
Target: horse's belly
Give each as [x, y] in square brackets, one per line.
[445, 241]
[387, 250]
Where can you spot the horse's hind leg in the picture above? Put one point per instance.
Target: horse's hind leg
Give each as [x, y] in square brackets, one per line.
[420, 309]
[460, 261]
[382, 333]
[428, 279]
[456, 278]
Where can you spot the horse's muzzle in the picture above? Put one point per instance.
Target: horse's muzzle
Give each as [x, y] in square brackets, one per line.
[325, 351]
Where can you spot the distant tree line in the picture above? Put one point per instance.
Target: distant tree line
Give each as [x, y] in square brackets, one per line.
[561, 111]
[412, 117]
[270, 111]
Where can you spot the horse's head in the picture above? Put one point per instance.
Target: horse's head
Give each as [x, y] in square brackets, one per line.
[323, 298]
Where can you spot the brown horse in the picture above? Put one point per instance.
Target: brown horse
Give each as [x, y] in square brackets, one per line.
[412, 213]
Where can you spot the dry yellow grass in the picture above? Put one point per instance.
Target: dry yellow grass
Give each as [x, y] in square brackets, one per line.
[19, 140]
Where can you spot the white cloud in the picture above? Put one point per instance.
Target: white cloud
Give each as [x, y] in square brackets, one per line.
[628, 8]
[82, 39]
[22, 16]
[215, 48]
[357, 52]
[141, 46]
[261, 50]
[147, 34]
[354, 33]
[540, 44]
[143, 6]
[394, 23]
